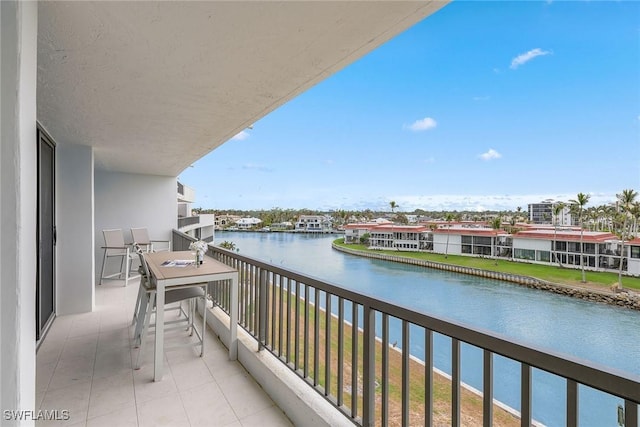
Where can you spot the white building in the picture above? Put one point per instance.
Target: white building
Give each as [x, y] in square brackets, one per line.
[399, 237]
[199, 226]
[314, 224]
[248, 223]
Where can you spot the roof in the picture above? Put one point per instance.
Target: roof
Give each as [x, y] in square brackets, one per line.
[467, 231]
[153, 86]
[400, 228]
[566, 235]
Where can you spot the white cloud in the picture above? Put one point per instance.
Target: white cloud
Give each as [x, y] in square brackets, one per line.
[423, 124]
[241, 136]
[253, 166]
[430, 160]
[490, 155]
[523, 58]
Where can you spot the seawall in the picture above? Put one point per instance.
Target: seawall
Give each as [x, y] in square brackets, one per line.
[621, 299]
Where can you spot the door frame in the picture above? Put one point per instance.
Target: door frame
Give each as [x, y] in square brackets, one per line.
[44, 138]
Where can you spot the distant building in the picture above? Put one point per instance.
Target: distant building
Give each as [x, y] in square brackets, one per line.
[224, 221]
[248, 223]
[282, 226]
[601, 250]
[354, 232]
[199, 226]
[400, 237]
[542, 213]
[314, 223]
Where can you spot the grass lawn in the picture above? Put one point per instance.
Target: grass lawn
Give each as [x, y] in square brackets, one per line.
[566, 276]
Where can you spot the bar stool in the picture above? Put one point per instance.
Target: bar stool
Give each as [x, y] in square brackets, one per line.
[146, 307]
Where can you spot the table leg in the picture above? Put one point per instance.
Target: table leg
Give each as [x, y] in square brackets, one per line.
[233, 326]
[159, 347]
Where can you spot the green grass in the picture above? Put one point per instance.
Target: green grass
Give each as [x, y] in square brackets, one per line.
[565, 276]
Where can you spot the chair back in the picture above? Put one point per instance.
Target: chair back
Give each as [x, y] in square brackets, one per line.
[140, 236]
[114, 238]
[145, 277]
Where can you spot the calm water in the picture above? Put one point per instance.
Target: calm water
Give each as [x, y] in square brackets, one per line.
[594, 332]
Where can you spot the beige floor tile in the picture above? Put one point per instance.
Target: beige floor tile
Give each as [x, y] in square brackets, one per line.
[190, 373]
[71, 371]
[245, 395]
[269, 417]
[74, 398]
[166, 411]
[123, 417]
[205, 403]
[111, 393]
[88, 325]
[44, 373]
[78, 347]
[221, 367]
[113, 362]
[146, 389]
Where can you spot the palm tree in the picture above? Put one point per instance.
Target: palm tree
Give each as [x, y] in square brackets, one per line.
[558, 208]
[578, 205]
[626, 201]
[392, 205]
[448, 217]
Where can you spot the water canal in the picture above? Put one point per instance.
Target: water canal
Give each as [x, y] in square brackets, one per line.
[595, 332]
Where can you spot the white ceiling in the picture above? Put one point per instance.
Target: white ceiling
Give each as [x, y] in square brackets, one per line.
[154, 86]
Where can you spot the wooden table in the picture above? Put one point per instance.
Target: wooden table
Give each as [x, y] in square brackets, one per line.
[166, 277]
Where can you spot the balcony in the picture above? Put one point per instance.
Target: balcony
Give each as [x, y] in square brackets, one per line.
[351, 362]
[85, 363]
[85, 366]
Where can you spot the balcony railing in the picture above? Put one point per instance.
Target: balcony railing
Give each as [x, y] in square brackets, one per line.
[189, 220]
[327, 336]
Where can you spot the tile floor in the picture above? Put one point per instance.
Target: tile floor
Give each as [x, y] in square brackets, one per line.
[85, 366]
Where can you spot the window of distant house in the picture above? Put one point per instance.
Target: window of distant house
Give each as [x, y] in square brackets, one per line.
[635, 251]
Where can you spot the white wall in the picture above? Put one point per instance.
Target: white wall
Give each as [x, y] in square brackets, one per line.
[633, 266]
[535, 244]
[440, 244]
[75, 265]
[18, 32]
[124, 201]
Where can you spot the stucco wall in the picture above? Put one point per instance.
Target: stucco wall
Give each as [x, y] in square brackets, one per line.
[18, 32]
[124, 201]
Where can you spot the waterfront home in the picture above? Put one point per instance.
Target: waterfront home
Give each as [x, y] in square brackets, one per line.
[354, 232]
[248, 223]
[400, 237]
[225, 220]
[314, 224]
[601, 250]
[466, 240]
[282, 226]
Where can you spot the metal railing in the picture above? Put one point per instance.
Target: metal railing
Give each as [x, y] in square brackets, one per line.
[327, 336]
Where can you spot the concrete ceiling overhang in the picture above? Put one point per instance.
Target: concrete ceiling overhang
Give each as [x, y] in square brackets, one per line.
[154, 86]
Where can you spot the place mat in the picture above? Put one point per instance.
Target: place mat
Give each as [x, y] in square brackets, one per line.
[178, 263]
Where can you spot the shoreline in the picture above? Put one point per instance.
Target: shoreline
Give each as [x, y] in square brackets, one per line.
[625, 299]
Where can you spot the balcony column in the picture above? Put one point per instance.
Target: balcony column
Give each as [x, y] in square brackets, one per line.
[75, 292]
[18, 35]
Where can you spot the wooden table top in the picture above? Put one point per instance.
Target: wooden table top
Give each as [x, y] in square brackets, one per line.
[210, 266]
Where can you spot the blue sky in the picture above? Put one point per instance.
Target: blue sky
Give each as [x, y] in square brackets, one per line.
[483, 105]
